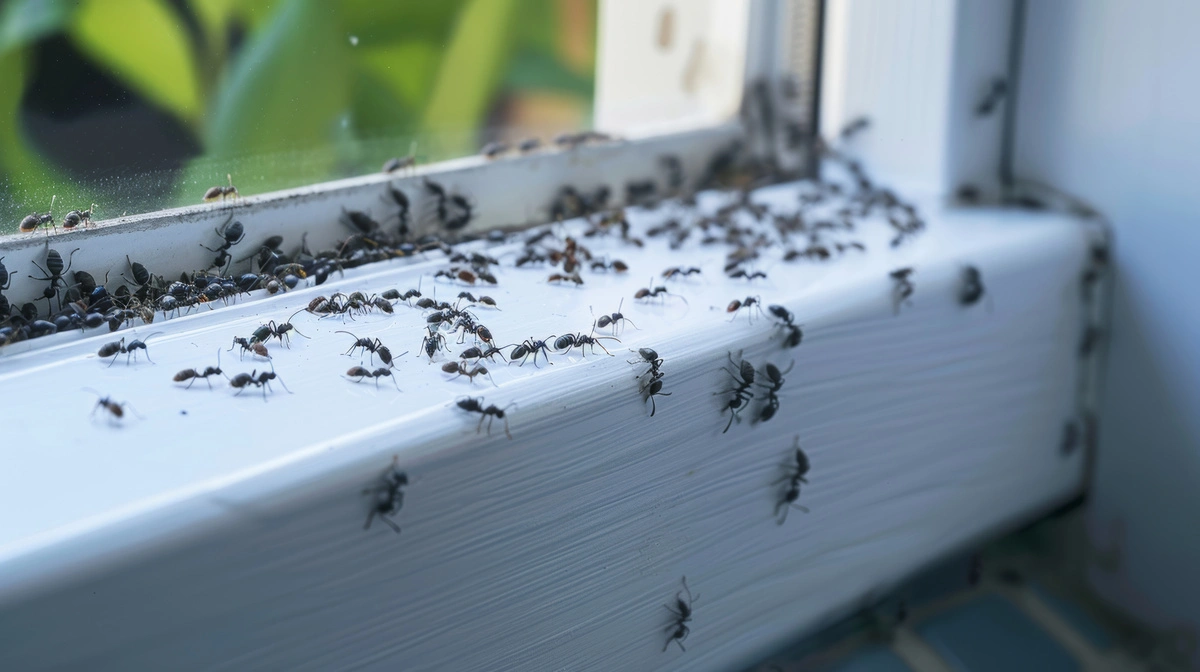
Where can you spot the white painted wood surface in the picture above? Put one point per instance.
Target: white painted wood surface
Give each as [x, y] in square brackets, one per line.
[230, 537]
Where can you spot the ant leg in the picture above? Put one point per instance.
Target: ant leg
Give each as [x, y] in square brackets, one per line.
[506, 432]
[394, 526]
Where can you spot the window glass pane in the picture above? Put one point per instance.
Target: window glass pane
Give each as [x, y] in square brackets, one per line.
[144, 104]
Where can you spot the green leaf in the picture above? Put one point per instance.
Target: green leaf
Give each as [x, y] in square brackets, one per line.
[407, 69]
[146, 45]
[25, 21]
[471, 71]
[288, 89]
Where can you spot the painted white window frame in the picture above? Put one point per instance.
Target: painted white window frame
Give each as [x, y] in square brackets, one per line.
[943, 72]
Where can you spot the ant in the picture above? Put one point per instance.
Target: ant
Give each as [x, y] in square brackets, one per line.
[374, 346]
[117, 347]
[262, 380]
[462, 370]
[531, 347]
[457, 273]
[76, 217]
[972, 286]
[564, 277]
[579, 340]
[476, 353]
[279, 331]
[360, 373]
[652, 389]
[652, 291]
[741, 273]
[433, 342]
[394, 164]
[475, 405]
[231, 232]
[676, 271]
[249, 345]
[774, 383]
[529, 145]
[903, 286]
[54, 263]
[650, 357]
[614, 318]
[485, 300]
[192, 375]
[33, 221]
[214, 193]
[401, 200]
[749, 301]
[389, 498]
[615, 265]
[795, 334]
[683, 615]
[743, 377]
[493, 149]
[115, 409]
[795, 477]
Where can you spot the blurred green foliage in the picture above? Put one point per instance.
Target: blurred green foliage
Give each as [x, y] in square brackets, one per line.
[279, 92]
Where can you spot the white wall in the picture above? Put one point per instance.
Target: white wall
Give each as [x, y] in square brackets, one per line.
[1110, 110]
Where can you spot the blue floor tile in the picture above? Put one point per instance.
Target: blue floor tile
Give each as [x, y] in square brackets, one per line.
[1074, 614]
[870, 659]
[989, 634]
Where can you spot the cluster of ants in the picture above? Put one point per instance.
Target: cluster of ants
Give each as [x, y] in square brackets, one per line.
[744, 376]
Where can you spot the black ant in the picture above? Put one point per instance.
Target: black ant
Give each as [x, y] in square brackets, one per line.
[741, 273]
[192, 375]
[774, 383]
[530, 346]
[213, 193]
[394, 164]
[972, 286]
[279, 331]
[231, 232]
[795, 334]
[433, 342]
[566, 277]
[76, 217]
[250, 345]
[33, 221]
[749, 301]
[373, 345]
[475, 405]
[676, 271]
[118, 347]
[115, 409]
[389, 498]
[743, 377]
[493, 149]
[485, 300]
[360, 373]
[683, 615]
[615, 265]
[579, 340]
[401, 200]
[652, 291]
[650, 357]
[262, 380]
[653, 388]
[614, 318]
[476, 353]
[463, 370]
[795, 477]
[903, 286]
[54, 263]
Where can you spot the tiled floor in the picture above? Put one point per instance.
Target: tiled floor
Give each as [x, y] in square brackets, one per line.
[999, 612]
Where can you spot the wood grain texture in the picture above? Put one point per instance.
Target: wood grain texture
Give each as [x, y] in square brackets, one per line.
[231, 537]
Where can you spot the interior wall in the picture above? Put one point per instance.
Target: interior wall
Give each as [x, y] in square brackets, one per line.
[1109, 110]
